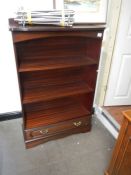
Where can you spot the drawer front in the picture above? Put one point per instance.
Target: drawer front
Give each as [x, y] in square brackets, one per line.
[57, 128]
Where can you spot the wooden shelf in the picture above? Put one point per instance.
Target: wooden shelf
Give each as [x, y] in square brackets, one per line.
[46, 93]
[55, 63]
[51, 78]
[42, 114]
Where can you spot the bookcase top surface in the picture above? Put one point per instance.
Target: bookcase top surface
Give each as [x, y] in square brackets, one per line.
[15, 27]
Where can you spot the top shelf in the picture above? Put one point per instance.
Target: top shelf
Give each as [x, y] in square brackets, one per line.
[55, 63]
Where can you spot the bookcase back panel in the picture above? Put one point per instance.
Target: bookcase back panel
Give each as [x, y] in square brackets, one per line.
[51, 78]
[48, 48]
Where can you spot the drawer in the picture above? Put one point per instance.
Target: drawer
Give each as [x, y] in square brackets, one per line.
[44, 132]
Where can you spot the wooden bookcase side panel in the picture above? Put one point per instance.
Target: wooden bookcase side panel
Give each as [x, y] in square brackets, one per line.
[19, 80]
[86, 100]
[90, 71]
[93, 48]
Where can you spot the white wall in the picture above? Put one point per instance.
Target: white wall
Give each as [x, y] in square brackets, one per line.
[9, 91]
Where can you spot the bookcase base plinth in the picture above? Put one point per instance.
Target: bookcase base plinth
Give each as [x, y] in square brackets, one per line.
[33, 143]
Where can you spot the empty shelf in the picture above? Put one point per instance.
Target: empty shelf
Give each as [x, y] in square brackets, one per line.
[63, 111]
[54, 92]
[54, 63]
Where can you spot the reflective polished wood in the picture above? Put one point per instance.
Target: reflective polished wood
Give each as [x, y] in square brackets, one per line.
[120, 163]
[57, 70]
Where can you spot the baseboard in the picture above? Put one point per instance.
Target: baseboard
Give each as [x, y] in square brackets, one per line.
[106, 122]
[110, 119]
[10, 115]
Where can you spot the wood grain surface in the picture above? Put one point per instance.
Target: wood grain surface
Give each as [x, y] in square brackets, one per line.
[57, 70]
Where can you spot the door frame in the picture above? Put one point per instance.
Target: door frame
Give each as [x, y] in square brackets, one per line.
[108, 44]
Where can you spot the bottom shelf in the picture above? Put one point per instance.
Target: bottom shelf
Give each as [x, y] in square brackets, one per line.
[40, 135]
[44, 114]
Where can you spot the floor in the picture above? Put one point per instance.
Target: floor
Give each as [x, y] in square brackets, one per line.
[116, 112]
[80, 154]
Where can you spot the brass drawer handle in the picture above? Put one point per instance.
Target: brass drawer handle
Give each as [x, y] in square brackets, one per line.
[44, 131]
[77, 123]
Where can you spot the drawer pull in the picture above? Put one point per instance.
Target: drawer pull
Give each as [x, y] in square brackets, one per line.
[77, 123]
[44, 131]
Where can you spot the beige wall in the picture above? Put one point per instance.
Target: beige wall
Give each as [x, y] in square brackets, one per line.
[107, 50]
